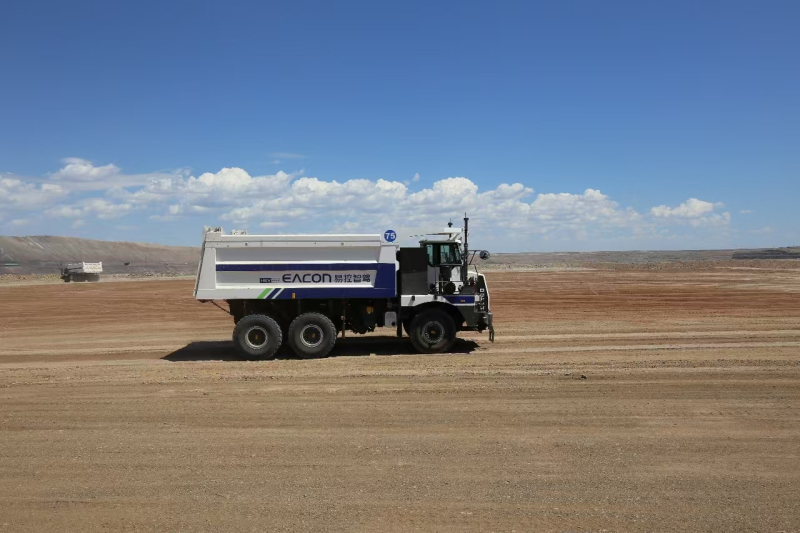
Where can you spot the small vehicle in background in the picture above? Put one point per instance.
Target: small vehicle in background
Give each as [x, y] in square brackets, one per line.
[81, 272]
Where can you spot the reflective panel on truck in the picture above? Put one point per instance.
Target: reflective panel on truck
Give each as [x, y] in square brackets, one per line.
[310, 280]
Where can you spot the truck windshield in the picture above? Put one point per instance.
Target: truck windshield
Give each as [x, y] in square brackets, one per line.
[443, 254]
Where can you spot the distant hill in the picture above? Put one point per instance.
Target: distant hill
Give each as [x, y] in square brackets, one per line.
[769, 253]
[44, 254]
[640, 257]
[628, 257]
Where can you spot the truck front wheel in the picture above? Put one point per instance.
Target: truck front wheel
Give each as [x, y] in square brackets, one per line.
[432, 331]
[312, 335]
[257, 337]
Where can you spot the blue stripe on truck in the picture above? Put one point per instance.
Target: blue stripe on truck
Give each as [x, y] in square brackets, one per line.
[290, 293]
[457, 299]
[385, 280]
[302, 267]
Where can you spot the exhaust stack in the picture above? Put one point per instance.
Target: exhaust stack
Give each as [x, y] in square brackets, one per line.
[465, 259]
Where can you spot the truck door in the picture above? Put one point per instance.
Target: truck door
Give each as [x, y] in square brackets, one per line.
[444, 263]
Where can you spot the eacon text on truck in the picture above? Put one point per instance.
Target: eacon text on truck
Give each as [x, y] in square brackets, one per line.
[304, 289]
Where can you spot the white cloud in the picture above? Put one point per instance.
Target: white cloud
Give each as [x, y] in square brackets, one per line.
[98, 207]
[64, 211]
[77, 169]
[16, 194]
[228, 187]
[745, 211]
[691, 208]
[82, 175]
[694, 212]
[294, 202]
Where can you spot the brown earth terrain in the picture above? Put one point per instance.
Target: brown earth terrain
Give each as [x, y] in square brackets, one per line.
[41, 256]
[612, 400]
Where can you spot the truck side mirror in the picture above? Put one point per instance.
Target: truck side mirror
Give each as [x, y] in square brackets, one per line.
[485, 255]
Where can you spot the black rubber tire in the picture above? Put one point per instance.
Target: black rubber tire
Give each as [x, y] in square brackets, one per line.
[303, 332]
[249, 333]
[444, 331]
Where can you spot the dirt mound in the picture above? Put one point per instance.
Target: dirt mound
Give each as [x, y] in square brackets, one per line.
[769, 253]
[44, 254]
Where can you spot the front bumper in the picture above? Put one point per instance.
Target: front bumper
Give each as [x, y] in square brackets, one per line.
[485, 321]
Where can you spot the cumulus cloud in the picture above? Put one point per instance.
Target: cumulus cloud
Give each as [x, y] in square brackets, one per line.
[82, 175]
[82, 192]
[97, 207]
[77, 169]
[694, 212]
[228, 187]
[691, 208]
[16, 194]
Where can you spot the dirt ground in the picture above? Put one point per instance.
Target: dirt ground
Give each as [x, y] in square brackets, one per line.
[632, 400]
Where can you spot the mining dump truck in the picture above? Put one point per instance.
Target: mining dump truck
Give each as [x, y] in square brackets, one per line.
[81, 272]
[304, 290]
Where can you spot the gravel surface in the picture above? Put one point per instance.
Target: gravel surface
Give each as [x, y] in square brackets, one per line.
[632, 400]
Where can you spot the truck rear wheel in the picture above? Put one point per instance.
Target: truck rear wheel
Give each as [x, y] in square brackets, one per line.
[257, 337]
[312, 335]
[432, 331]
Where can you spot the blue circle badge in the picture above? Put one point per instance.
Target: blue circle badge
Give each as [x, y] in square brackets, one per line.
[389, 235]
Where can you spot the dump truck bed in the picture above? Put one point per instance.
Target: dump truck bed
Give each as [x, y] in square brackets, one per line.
[295, 267]
[84, 268]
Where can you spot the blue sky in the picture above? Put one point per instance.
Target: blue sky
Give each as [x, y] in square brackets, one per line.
[560, 126]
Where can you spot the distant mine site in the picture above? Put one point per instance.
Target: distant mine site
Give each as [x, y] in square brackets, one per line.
[44, 255]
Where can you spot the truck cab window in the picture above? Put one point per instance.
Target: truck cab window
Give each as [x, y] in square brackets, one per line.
[443, 254]
[449, 254]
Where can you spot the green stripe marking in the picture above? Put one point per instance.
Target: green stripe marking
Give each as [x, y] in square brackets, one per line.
[264, 294]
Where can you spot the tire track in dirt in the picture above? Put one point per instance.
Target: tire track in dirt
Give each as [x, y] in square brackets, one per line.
[630, 347]
[117, 413]
[643, 335]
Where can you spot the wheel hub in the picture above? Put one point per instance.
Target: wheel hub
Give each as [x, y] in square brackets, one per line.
[432, 332]
[311, 335]
[256, 337]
